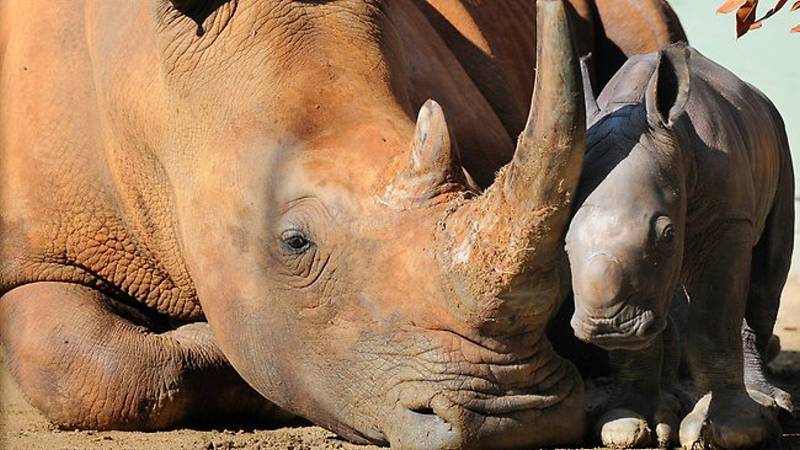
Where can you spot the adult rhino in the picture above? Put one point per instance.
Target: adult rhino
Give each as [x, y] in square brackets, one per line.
[247, 163]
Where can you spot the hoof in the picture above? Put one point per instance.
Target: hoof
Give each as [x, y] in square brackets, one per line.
[634, 421]
[623, 428]
[667, 424]
[728, 423]
[772, 397]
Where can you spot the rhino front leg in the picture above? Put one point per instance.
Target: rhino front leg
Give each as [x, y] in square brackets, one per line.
[86, 362]
[725, 416]
[639, 411]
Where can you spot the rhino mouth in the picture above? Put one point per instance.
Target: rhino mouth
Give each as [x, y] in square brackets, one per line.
[465, 418]
[465, 402]
[631, 328]
[487, 398]
[499, 422]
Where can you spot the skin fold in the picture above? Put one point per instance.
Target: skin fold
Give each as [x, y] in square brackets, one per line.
[686, 208]
[256, 201]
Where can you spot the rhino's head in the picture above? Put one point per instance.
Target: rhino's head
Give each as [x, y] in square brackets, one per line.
[625, 241]
[348, 266]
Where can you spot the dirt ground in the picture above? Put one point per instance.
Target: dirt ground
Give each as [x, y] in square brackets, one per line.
[22, 427]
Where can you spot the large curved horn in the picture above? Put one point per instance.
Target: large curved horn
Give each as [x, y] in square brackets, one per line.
[515, 229]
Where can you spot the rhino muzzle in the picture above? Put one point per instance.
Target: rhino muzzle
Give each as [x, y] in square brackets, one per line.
[459, 394]
[608, 312]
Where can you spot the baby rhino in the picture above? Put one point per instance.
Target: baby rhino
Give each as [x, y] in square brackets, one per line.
[687, 193]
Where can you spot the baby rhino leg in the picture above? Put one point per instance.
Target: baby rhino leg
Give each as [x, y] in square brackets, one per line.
[84, 364]
[639, 412]
[770, 269]
[726, 416]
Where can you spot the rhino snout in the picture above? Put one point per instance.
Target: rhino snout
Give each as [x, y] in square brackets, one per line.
[601, 288]
[608, 311]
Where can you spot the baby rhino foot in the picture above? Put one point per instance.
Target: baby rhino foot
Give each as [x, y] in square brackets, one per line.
[771, 397]
[734, 422]
[625, 428]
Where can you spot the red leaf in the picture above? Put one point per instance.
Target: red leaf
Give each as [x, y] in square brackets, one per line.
[730, 6]
[796, 29]
[796, 5]
[772, 11]
[779, 5]
[745, 17]
[756, 26]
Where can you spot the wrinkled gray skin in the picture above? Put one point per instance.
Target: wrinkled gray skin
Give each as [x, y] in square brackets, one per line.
[687, 193]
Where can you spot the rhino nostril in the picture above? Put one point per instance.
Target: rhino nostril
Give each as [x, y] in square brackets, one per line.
[423, 411]
[422, 428]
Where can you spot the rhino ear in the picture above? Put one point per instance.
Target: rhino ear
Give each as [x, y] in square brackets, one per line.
[668, 88]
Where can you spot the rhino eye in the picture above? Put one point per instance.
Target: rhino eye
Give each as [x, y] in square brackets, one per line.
[295, 242]
[665, 230]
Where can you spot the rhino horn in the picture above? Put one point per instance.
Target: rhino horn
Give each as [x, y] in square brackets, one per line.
[592, 108]
[496, 242]
[538, 183]
[432, 150]
[434, 164]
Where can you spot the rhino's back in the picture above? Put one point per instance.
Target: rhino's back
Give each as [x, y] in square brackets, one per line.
[61, 213]
[739, 142]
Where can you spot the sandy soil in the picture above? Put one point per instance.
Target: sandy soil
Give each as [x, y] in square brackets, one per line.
[22, 427]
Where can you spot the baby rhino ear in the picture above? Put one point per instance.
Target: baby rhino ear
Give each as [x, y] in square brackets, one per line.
[668, 88]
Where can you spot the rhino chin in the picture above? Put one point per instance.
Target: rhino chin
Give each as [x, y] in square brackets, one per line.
[508, 404]
[466, 420]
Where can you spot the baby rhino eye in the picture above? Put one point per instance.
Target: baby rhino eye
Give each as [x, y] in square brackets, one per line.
[665, 230]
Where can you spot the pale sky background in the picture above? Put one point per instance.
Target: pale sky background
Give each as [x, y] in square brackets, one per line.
[768, 58]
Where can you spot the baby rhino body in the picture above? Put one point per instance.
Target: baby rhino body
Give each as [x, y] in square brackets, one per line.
[687, 193]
